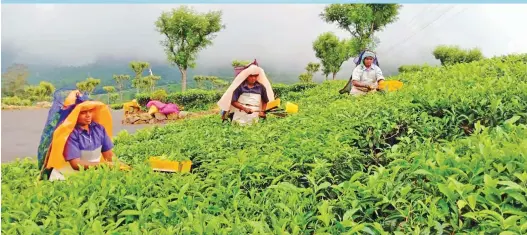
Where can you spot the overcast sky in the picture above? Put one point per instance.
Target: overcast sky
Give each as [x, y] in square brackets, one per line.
[280, 35]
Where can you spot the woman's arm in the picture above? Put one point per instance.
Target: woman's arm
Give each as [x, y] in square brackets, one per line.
[355, 78]
[239, 106]
[236, 94]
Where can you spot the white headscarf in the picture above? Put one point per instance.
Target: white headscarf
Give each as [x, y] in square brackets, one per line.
[225, 102]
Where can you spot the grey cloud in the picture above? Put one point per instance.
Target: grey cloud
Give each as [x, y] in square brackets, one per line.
[279, 35]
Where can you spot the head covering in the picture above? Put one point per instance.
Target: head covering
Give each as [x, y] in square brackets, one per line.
[225, 102]
[62, 121]
[366, 53]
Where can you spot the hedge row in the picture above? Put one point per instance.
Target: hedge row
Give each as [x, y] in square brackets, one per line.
[196, 99]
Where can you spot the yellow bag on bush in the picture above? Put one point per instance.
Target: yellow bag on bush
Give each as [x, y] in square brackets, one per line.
[153, 109]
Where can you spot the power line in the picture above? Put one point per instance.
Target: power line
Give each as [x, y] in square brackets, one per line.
[421, 29]
[421, 13]
[455, 14]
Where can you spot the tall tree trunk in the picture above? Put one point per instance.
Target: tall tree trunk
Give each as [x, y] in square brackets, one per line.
[183, 79]
[334, 75]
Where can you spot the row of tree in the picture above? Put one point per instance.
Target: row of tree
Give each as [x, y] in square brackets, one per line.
[362, 21]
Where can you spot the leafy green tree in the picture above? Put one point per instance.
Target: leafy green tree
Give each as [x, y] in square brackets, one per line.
[186, 33]
[88, 85]
[332, 52]
[311, 69]
[139, 67]
[449, 55]
[361, 21]
[151, 81]
[113, 97]
[109, 90]
[120, 81]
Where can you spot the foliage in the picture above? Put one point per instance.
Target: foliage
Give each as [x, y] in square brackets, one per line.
[160, 95]
[449, 55]
[139, 82]
[116, 106]
[200, 80]
[15, 100]
[151, 81]
[14, 80]
[192, 99]
[282, 90]
[240, 63]
[311, 69]
[88, 85]
[361, 21]
[109, 89]
[332, 52]
[121, 80]
[445, 154]
[412, 68]
[41, 92]
[186, 33]
[305, 77]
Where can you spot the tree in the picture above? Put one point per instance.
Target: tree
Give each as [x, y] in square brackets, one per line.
[361, 21]
[305, 77]
[139, 68]
[332, 52]
[109, 90]
[120, 80]
[41, 92]
[186, 33]
[14, 80]
[88, 85]
[449, 55]
[113, 97]
[151, 81]
[311, 69]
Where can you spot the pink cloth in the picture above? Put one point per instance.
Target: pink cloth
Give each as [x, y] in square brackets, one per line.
[164, 108]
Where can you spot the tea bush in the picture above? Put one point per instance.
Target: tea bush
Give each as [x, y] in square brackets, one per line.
[445, 154]
[196, 99]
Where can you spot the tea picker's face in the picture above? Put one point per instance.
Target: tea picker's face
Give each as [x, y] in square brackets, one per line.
[368, 61]
[252, 78]
[85, 117]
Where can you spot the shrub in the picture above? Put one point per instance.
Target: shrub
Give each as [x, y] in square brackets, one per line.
[160, 95]
[445, 154]
[15, 100]
[449, 55]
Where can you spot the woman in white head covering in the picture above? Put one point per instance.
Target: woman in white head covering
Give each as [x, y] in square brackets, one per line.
[366, 76]
[247, 96]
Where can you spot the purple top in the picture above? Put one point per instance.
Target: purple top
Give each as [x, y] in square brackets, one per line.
[80, 140]
[257, 89]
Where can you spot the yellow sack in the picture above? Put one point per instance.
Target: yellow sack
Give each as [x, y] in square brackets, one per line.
[392, 85]
[291, 108]
[153, 109]
[131, 104]
[272, 104]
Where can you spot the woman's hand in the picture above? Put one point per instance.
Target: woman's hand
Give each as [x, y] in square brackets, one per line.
[247, 110]
[262, 114]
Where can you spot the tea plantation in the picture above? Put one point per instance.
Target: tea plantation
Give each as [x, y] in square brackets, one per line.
[447, 154]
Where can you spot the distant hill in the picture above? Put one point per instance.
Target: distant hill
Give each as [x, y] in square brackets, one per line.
[68, 76]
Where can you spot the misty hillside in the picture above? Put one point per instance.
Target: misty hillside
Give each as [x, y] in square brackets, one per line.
[68, 76]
